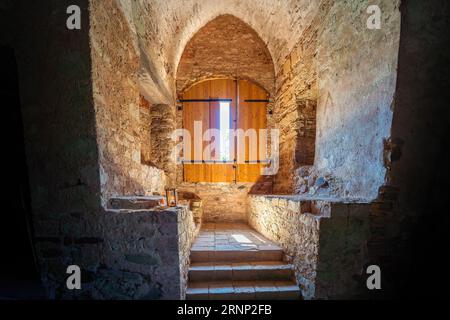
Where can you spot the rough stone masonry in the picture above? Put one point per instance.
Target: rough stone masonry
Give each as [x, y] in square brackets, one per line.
[98, 106]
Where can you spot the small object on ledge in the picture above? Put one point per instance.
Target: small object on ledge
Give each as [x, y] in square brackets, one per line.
[171, 197]
[162, 202]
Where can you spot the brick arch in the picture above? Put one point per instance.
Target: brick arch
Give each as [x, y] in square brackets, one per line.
[206, 78]
[226, 47]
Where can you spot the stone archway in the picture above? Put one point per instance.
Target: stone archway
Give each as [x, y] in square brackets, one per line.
[226, 47]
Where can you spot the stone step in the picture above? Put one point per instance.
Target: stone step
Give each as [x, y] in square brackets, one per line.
[268, 254]
[233, 261]
[259, 270]
[243, 290]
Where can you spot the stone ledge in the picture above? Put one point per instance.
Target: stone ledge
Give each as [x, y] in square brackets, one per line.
[301, 197]
[156, 210]
[317, 247]
[313, 206]
[134, 202]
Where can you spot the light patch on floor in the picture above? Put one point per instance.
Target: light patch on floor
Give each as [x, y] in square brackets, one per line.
[231, 236]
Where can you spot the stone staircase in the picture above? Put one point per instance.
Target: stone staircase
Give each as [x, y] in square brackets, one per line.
[232, 261]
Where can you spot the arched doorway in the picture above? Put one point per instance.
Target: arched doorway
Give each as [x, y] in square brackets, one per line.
[224, 59]
[225, 121]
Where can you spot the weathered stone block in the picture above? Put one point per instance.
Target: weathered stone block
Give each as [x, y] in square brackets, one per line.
[135, 203]
[150, 260]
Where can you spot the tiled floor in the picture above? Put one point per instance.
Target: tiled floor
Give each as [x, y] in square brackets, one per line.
[230, 237]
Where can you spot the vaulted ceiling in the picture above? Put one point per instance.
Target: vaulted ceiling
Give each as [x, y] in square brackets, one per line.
[162, 28]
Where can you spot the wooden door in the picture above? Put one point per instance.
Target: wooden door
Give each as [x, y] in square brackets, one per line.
[208, 168]
[251, 115]
[202, 102]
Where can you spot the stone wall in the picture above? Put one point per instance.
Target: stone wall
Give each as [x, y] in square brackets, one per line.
[343, 252]
[288, 224]
[295, 106]
[115, 66]
[328, 103]
[141, 254]
[145, 127]
[54, 68]
[356, 87]
[345, 73]
[163, 122]
[355, 71]
[225, 48]
[81, 118]
[148, 247]
[324, 239]
[188, 229]
[390, 231]
[224, 202]
[147, 255]
[411, 223]
[163, 29]
[156, 125]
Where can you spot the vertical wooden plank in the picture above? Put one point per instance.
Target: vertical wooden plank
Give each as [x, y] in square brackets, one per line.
[188, 125]
[208, 113]
[196, 111]
[206, 171]
[252, 115]
[242, 124]
[214, 111]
